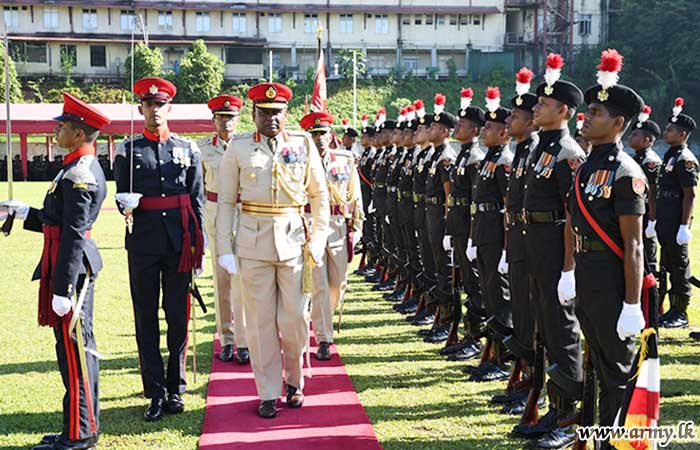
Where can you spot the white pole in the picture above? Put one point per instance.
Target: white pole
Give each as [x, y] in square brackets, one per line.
[8, 122]
[270, 62]
[354, 89]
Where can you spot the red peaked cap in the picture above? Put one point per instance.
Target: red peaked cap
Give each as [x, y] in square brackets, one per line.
[154, 88]
[77, 110]
[316, 121]
[225, 104]
[270, 95]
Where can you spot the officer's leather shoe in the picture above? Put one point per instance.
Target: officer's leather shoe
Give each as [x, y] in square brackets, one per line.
[243, 355]
[226, 353]
[679, 320]
[438, 334]
[470, 351]
[174, 404]
[494, 373]
[517, 408]
[50, 438]
[59, 443]
[295, 398]
[481, 367]
[557, 439]
[324, 351]
[512, 396]
[543, 426]
[154, 411]
[267, 409]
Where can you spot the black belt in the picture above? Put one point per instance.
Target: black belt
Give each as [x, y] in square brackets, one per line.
[405, 194]
[670, 194]
[434, 200]
[544, 216]
[485, 207]
[418, 197]
[585, 244]
[514, 218]
[458, 201]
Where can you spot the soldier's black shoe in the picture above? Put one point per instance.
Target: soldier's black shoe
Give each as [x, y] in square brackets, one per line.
[694, 335]
[512, 396]
[493, 373]
[226, 353]
[438, 334]
[425, 317]
[174, 404]
[386, 286]
[470, 351]
[396, 296]
[373, 277]
[485, 365]
[557, 439]
[155, 411]
[668, 316]
[50, 438]
[242, 355]
[543, 426]
[517, 408]
[679, 320]
[267, 409]
[324, 351]
[60, 443]
[407, 307]
[449, 349]
[295, 398]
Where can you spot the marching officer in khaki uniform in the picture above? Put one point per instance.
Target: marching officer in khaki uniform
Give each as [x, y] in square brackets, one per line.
[276, 173]
[330, 278]
[228, 303]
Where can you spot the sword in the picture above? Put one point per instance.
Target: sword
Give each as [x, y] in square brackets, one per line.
[191, 293]
[78, 306]
[7, 226]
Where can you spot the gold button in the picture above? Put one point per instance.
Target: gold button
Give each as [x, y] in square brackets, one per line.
[252, 175]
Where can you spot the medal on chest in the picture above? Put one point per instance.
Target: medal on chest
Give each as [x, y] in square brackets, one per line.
[488, 170]
[671, 164]
[545, 165]
[600, 184]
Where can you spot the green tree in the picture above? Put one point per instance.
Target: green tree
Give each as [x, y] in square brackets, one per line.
[148, 62]
[201, 75]
[67, 65]
[15, 87]
[345, 62]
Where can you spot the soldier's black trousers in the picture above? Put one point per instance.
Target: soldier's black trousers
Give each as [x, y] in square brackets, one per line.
[410, 239]
[494, 286]
[148, 274]
[435, 220]
[369, 224]
[424, 243]
[674, 258]
[650, 253]
[557, 322]
[81, 406]
[600, 287]
[521, 299]
[470, 275]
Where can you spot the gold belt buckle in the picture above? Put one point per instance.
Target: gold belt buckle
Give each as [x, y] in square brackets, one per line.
[450, 200]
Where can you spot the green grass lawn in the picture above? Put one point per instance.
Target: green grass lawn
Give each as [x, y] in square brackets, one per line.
[415, 399]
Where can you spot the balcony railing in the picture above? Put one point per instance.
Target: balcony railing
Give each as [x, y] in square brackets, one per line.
[512, 3]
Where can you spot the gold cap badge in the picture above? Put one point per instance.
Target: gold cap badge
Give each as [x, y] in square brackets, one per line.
[153, 89]
[271, 92]
[548, 90]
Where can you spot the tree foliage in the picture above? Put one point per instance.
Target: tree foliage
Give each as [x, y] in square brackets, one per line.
[148, 62]
[201, 75]
[15, 87]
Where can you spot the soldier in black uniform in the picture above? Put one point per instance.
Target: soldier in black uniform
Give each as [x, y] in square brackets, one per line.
[385, 205]
[167, 226]
[676, 197]
[488, 234]
[550, 264]
[610, 187]
[438, 186]
[397, 257]
[463, 176]
[68, 270]
[522, 128]
[3, 168]
[379, 174]
[644, 134]
[365, 172]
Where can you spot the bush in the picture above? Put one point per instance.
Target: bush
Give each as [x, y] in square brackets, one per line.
[148, 62]
[201, 75]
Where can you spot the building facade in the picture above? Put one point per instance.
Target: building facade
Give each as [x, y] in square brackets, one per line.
[416, 35]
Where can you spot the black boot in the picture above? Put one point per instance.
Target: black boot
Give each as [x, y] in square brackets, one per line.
[563, 434]
[154, 411]
[544, 425]
[680, 318]
[470, 351]
[438, 334]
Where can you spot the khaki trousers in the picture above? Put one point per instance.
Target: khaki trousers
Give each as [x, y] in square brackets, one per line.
[276, 321]
[330, 283]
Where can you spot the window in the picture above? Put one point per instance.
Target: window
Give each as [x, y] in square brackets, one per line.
[418, 19]
[244, 55]
[165, 20]
[464, 19]
[35, 53]
[11, 16]
[405, 20]
[453, 19]
[51, 18]
[90, 19]
[201, 22]
[411, 62]
[584, 24]
[69, 53]
[310, 23]
[346, 23]
[239, 25]
[476, 20]
[429, 19]
[376, 61]
[440, 19]
[381, 24]
[274, 23]
[127, 20]
[98, 56]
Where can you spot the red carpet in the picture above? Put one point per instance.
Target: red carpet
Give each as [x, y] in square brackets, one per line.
[331, 418]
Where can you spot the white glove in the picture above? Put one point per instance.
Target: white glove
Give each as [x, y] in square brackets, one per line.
[684, 235]
[370, 208]
[386, 220]
[61, 305]
[631, 321]
[650, 231]
[503, 263]
[20, 209]
[317, 247]
[566, 287]
[471, 250]
[447, 243]
[228, 263]
[128, 200]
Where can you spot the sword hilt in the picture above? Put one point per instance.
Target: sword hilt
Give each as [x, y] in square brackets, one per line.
[7, 225]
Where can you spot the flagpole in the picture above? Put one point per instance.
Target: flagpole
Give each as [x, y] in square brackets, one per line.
[354, 89]
[270, 63]
[8, 123]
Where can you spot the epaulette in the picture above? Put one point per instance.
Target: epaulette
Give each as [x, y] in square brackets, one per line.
[448, 154]
[650, 157]
[121, 148]
[687, 155]
[570, 150]
[80, 174]
[628, 167]
[506, 158]
[476, 154]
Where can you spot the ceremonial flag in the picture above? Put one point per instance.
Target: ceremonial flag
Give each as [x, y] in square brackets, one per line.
[318, 97]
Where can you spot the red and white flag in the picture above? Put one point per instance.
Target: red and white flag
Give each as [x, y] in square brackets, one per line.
[319, 97]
